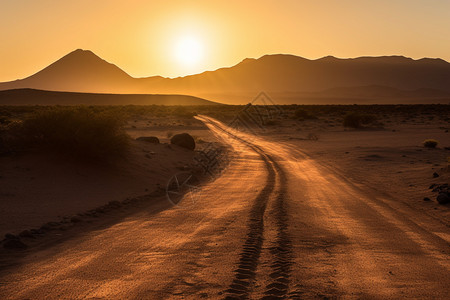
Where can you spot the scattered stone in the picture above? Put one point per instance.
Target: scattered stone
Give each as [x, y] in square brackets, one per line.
[435, 175]
[148, 139]
[426, 199]
[443, 198]
[432, 186]
[15, 244]
[184, 140]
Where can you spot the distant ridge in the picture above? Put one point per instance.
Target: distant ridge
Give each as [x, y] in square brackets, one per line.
[277, 74]
[40, 97]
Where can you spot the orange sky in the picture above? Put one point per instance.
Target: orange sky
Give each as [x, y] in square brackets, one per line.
[140, 36]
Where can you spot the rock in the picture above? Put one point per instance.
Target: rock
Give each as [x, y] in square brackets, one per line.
[148, 139]
[435, 175]
[426, 199]
[184, 140]
[14, 244]
[432, 186]
[443, 198]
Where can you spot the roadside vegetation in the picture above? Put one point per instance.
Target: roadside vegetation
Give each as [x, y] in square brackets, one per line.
[100, 131]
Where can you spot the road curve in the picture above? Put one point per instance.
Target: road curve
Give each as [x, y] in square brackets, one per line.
[276, 224]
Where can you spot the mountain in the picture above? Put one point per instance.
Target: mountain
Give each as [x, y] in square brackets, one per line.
[80, 71]
[288, 78]
[33, 97]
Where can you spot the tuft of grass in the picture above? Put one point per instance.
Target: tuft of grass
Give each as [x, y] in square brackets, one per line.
[430, 143]
[75, 131]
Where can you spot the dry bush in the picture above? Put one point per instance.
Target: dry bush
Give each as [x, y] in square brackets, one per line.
[75, 131]
[430, 143]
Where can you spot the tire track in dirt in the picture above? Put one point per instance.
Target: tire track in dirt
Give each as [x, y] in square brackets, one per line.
[280, 249]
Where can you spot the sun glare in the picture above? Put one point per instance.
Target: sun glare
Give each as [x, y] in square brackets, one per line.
[188, 50]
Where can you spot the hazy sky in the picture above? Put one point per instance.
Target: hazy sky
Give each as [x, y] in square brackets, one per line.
[143, 37]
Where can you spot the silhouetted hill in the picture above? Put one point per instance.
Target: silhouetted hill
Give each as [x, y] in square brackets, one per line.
[39, 97]
[79, 71]
[277, 74]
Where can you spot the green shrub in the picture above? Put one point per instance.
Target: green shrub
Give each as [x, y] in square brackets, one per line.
[430, 143]
[76, 131]
[357, 120]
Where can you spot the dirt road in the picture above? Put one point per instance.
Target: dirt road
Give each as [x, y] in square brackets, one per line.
[275, 224]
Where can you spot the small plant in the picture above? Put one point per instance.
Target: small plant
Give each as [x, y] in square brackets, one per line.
[430, 143]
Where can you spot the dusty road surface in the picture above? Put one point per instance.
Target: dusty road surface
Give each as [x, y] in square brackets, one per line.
[276, 224]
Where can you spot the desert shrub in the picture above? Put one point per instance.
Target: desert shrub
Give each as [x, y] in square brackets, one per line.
[76, 131]
[357, 120]
[430, 143]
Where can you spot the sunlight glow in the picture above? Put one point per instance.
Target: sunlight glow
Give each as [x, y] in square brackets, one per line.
[188, 50]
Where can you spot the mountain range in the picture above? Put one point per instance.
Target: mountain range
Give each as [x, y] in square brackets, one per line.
[287, 78]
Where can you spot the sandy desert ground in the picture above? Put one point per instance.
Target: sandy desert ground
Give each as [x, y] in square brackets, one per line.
[305, 209]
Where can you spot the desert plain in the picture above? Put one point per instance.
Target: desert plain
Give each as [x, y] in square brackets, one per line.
[309, 203]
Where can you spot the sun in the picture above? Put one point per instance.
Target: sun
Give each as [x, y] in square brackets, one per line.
[188, 50]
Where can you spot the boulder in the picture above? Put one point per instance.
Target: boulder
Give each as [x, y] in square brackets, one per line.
[184, 140]
[443, 198]
[148, 139]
